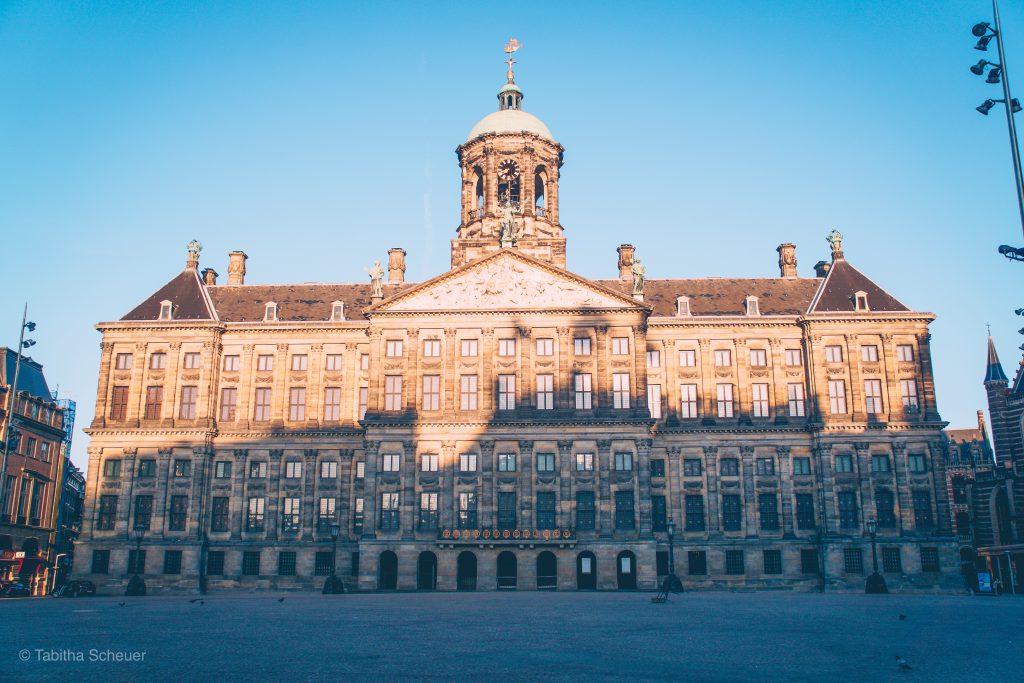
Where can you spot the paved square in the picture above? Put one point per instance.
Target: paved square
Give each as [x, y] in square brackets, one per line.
[516, 636]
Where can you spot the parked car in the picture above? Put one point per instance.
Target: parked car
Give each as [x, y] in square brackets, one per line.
[75, 589]
[16, 590]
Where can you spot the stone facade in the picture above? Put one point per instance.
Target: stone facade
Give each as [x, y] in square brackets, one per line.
[509, 423]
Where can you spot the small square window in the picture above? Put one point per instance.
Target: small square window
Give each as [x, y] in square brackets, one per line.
[729, 467]
[833, 354]
[765, 466]
[809, 561]
[333, 362]
[506, 347]
[853, 560]
[697, 562]
[264, 362]
[222, 469]
[182, 468]
[687, 358]
[844, 464]
[337, 311]
[506, 462]
[691, 467]
[467, 462]
[584, 462]
[545, 347]
[654, 359]
[657, 467]
[293, 469]
[191, 361]
[801, 465]
[469, 348]
[364, 361]
[758, 358]
[930, 560]
[794, 358]
[299, 362]
[431, 348]
[891, 561]
[917, 464]
[723, 358]
[623, 462]
[230, 363]
[545, 462]
[391, 462]
[123, 361]
[734, 562]
[869, 354]
[905, 353]
[393, 348]
[328, 469]
[772, 561]
[620, 346]
[258, 469]
[158, 361]
[428, 462]
[581, 346]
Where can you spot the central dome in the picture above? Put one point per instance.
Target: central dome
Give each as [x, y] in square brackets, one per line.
[510, 121]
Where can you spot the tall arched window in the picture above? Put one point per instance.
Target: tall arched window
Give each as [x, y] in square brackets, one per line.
[540, 183]
[478, 189]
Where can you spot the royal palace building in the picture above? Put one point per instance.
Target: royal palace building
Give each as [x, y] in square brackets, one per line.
[510, 424]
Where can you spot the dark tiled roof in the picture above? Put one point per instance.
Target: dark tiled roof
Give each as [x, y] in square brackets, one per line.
[184, 291]
[964, 435]
[993, 369]
[841, 283]
[247, 303]
[726, 295]
[30, 379]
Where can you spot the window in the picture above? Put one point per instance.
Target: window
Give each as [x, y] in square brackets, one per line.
[100, 562]
[620, 346]
[431, 392]
[847, 509]
[393, 392]
[869, 354]
[147, 468]
[506, 392]
[545, 392]
[691, 467]
[300, 362]
[729, 467]
[270, 312]
[333, 362]
[872, 396]
[682, 306]
[297, 404]
[431, 348]
[328, 469]
[697, 563]
[154, 403]
[659, 515]
[581, 346]
[507, 347]
[293, 469]
[467, 462]
[389, 511]
[734, 562]
[801, 465]
[332, 404]
[545, 462]
[44, 451]
[291, 518]
[837, 396]
[254, 518]
[584, 396]
[694, 512]
[182, 468]
[654, 400]
[765, 466]
[585, 510]
[467, 392]
[908, 395]
[337, 311]
[905, 353]
[916, 463]
[758, 358]
[326, 512]
[545, 347]
[506, 510]
[759, 398]
[772, 561]
[428, 511]
[844, 464]
[264, 362]
[724, 400]
[261, 411]
[393, 348]
[805, 511]
[469, 348]
[191, 361]
[930, 560]
[360, 470]
[620, 390]
[467, 511]
[143, 511]
[357, 516]
[623, 462]
[286, 563]
[506, 462]
[809, 561]
[723, 358]
[228, 403]
[158, 361]
[545, 510]
[258, 469]
[768, 506]
[879, 463]
[230, 363]
[428, 462]
[584, 462]
[222, 469]
[364, 361]
[391, 462]
[251, 563]
[624, 515]
[688, 401]
[891, 561]
[123, 361]
[853, 560]
[833, 354]
[794, 358]
[654, 359]
[687, 358]
[922, 501]
[119, 403]
[795, 393]
[219, 513]
[732, 515]
[187, 410]
[107, 513]
[860, 301]
[215, 563]
[885, 509]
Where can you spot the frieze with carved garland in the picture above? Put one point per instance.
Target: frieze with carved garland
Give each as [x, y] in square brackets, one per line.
[229, 378]
[190, 377]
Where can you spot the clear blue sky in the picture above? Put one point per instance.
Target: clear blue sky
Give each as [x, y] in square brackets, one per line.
[316, 135]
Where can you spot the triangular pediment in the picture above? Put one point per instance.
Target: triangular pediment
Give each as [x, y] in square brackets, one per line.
[508, 280]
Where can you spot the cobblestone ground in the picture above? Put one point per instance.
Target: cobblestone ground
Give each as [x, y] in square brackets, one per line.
[514, 636]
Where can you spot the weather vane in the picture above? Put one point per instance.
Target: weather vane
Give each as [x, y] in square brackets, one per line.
[510, 48]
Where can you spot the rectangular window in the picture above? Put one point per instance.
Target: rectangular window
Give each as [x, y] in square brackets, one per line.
[654, 359]
[759, 399]
[584, 462]
[364, 398]
[215, 563]
[389, 511]
[506, 462]
[545, 462]
[833, 354]
[393, 348]
[107, 513]
[467, 392]
[100, 562]
[222, 469]
[922, 501]
[764, 466]
[885, 509]
[772, 561]
[801, 465]
[688, 401]
[390, 462]
[872, 396]
[581, 346]
[154, 403]
[291, 517]
[332, 404]
[585, 510]
[847, 509]
[219, 513]
[254, 516]
[916, 463]
[697, 562]
[545, 347]
[869, 354]
[286, 563]
[905, 353]
[393, 392]
[506, 347]
[119, 403]
[545, 392]
[545, 510]
[654, 400]
[879, 463]
[191, 361]
[694, 512]
[357, 516]
[297, 404]
[264, 362]
[729, 467]
[123, 361]
[584, 395]
[891, 561]
[844, 464]
[469, 348]
[147, 468]
[230, 364]
[908, 395]
[657, 467]
[182, 468]
[620, 346]
[364, 361]
[333, 362]
[428, 462]
[467, 511]
[768, 506]
[506, 392]
[261, 410]
[293, 469]
[251, 563]
[143, 512]
[187, 410]
[431, 392]
[467, 462]
[758, 358]
[794, 358]
[687, 358]
[360, 470]
[431, 348]
[732, 515]
[691, 467]
[623, 462]
[659, 514]
[930, 560]
[228, 404]
[158, 361]
[428, 511]
[809, 561]
[853, 560]
[620, 390]
[795, 393]
[805, 511]
[624, 512]
[326, 513]
[723, 358]
[506, 510]
[725, 400]
[837, 396]
[258, 469]
[734, 563]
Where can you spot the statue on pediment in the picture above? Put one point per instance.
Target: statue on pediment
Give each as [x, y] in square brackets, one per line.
[509, 232]
[639, 273]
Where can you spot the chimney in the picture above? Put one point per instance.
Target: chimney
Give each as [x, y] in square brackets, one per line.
[209, 276]
[821, 268]
[787, 259]
[625, 261]
[396, 265]
[236, 267]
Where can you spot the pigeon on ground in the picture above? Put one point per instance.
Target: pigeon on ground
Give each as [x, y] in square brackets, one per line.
[202, 602]
[194, 600]
[902, 664]
[122, 604]
[280, 599]
[903, 617]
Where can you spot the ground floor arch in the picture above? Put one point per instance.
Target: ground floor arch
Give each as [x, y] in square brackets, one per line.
[586, 571]
[387, 571]
[508, 571]
[547, 571]
[426, 571]
[625, 569]
[465, 570]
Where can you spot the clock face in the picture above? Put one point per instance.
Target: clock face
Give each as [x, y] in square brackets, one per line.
[508, 170]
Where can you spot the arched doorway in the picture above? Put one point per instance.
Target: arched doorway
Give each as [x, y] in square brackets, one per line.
[625, 569]
[466, 571]
[426, 571]
[586, 571]
[387, 571]
[547, 571]
[508, 571]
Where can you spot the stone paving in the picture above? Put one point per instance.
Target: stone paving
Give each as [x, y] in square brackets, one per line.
[513, 636]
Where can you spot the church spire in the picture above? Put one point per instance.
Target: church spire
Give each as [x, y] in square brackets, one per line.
[994, 370]
[510, 96]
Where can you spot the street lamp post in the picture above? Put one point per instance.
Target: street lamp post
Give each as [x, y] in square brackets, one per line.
[876, 582]
[333, 585]
[10, 433]
[136, 584]
[672, 581]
